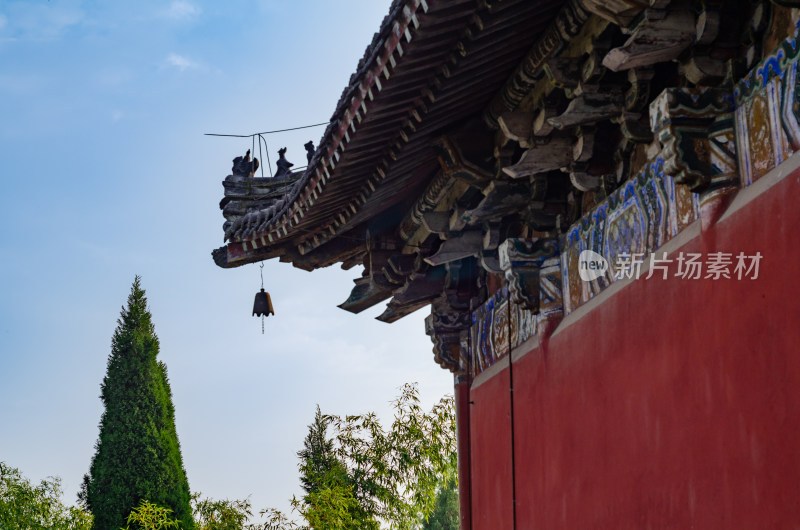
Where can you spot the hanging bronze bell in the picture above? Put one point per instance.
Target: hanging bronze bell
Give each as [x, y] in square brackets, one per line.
[262, 306]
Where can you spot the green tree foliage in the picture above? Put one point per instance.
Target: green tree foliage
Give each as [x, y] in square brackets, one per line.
[149, 516]
[445, 512]
[396, 472]
[210, 514]
[329, 501]
[24, 506]
[317, 457]
[137, 456]
[365, 475]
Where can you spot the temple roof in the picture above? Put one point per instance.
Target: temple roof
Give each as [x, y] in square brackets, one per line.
[471, 123]
[431, 66]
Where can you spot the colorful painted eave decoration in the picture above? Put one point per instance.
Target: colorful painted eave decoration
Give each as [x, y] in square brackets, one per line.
[746, 134]
[767, 112]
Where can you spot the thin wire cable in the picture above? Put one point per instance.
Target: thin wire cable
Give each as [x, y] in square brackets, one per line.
[266, 150]
[261, 156]
[269, 132]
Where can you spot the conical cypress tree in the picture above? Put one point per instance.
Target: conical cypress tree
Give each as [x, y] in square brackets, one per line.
[137, 455]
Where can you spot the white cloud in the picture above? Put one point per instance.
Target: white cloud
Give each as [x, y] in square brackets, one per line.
[180, 62]
[182, 10]
[3, 21]
[116, 115]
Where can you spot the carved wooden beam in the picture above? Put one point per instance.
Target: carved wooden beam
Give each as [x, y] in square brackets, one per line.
[490, 262]
[564, 72]
[464, 159]
[395, 310]
[704, 70]
[391, 277]
[461, 287]
[517, 126]
[567, 25]
[632, 128]
[464, 245]
[637, 96]
[583, 148]
[405, 264]
[419, 290]
[491, 236]
[583, 181]
[365, 294]
[555, 154]
[620, 12]
[521, 261]
[660, 36]
[589, 108]
[541, 124]
[457, 223]
[455, 163]
[500, 199]
[707, 28]
[437, 222]
[441, 191]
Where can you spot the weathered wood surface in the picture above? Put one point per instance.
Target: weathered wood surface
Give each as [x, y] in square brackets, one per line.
[564, 72]
[462, 246]
[620, 12]
[555, 154]
[437, 222]
[517, 126]
[584, 181]
[654, 41]
[365, 294]
[588, 108]
[541, 124]
[500, 199]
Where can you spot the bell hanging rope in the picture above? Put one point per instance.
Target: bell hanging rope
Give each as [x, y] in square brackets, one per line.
[262, 305]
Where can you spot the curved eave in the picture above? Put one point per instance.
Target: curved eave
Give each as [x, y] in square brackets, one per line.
[433, 64]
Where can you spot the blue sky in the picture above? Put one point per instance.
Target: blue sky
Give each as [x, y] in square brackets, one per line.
[106, 174]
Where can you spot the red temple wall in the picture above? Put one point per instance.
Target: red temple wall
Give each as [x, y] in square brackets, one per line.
[670, 403]
[490, 449]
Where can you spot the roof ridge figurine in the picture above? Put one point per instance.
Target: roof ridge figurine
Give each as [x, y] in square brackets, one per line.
[284, 165]
[243, 166]
[309, 150]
